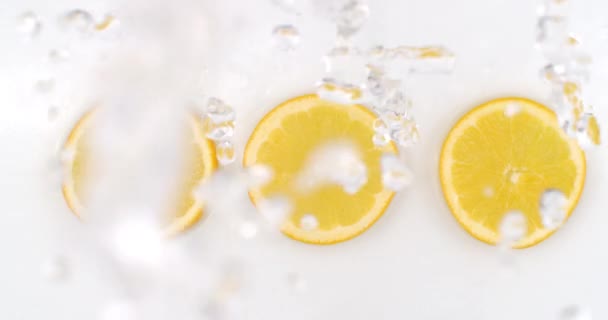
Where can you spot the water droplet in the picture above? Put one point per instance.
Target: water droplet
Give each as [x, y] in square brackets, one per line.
[55, 269]
[288, 6]
[488, 192]
[248, 229]
[118, 310]
[29, 24]
[137, 241]
[286, 37]
[259, 175]
[407, 135]
[513, 228]
[331, 90]
[351, 18]
[78, 20]
[67, 156]
[45, 85]
[58, 55]
[296, 283]
[587, 131]
[225, 152]
[552, 36]
[309, 222]
[346, 64]
[52, 113]
[381, 139]
[575, 312]
[553, 204]
[219, 131]
[108, 21]
[275, 210]
[395, 174]
[219, 111]
[512, 109]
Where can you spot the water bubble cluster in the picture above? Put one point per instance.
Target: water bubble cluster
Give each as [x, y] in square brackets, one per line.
[286, 37]
[552, 206]
[566, 70]
[29, 24]
[375, 77]
[219, 121]
[55, 269]
[395, 174]
[575, 312]
[336, 162]
[513, 227]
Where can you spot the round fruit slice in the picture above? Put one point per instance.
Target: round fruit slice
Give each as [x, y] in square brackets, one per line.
[287, 139]
[201, 162]
[502, 156]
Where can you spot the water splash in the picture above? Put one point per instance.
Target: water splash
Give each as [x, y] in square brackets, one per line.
[286, 37]
[309, 222]
[119, 310]
[55, 269]
[351, 17]
[78, 20]
[29, 24]
[296, 283]
[52, 113]
[225, 152]
[575, 312]
[45, 85]
[566, 70]
[552, 206]
[275, 210]
[259, 175]
[336, 162]
[396, 175]
[59, 55]
[513, 227]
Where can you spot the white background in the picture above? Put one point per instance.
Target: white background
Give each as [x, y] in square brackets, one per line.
[415, 262]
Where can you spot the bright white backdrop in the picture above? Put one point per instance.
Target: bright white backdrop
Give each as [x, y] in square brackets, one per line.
[414, 263]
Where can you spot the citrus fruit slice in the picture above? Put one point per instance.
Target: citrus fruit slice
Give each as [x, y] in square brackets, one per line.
[287, 138]
[501, 157]
[186, 210]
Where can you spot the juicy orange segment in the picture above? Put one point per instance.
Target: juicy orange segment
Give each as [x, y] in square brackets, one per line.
[285, 139]
[502, 156]
[187, 210]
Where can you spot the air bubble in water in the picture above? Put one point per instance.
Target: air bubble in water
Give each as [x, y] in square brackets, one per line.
[513, 227]
[29, 24]
[219, 132]
[55, 269]
[248, 229]
[351, 18]
[337, 162]
[275, 210]
[296, 283]
[108, 21]
[45, 85]
[395, 174]
[309, 222]
[512, 109]
[552, 205]
[59, 55]
[286, 37]
[225, 152]
[118, 310]
[259, 175]
[587, 130]
[575, 312]
[219, 111]
[52, 113]
[406, 136]
[343, 93]
[78, 20]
